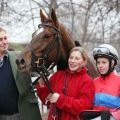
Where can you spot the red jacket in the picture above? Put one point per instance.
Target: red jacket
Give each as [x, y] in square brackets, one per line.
[79, 93]
[107, 92]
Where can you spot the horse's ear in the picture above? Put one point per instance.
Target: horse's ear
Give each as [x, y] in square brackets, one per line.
[42, 16]
[54, 18]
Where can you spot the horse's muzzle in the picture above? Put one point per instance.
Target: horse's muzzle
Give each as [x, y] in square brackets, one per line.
[21, 65]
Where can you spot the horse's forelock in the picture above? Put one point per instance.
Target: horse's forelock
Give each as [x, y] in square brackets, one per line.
[40, 30]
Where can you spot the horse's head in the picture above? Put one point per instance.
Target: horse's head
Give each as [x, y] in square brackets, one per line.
[50, 45]
[45, 47]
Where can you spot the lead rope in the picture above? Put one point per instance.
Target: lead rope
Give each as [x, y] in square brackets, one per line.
[64, 85]
[64, 89]
[64, 92]
[54, 110]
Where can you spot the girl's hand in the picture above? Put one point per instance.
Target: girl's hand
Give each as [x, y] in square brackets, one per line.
[54, 98]
[41, 82]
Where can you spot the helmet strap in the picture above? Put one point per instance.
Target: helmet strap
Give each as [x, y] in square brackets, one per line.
[111, 67]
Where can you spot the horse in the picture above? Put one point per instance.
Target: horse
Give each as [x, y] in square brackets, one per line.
[50, 46]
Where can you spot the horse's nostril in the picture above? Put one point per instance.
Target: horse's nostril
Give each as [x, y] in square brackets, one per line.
[22, 61]
[17, 61]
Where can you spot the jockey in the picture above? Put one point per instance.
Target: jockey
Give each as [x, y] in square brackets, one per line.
[107, 85]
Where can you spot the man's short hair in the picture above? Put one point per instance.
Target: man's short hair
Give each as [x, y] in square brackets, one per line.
[2, 29]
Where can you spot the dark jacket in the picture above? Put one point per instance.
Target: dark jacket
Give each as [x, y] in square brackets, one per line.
[28, 104]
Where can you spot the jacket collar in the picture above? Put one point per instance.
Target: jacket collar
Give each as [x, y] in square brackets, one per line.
[109, 75]
[82, 71]
[12, 58]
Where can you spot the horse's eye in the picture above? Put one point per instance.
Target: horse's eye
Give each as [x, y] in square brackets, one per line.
[46, 36]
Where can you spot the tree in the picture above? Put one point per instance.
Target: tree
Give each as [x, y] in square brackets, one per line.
[90, 21]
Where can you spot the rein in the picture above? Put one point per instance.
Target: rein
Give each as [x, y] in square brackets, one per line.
[43, 70]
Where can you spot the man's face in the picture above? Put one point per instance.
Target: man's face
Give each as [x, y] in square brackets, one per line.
[3, 42]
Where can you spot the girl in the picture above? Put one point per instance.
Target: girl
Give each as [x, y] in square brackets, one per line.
[73, 88]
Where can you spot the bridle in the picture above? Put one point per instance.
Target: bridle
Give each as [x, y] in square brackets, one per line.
[36, 64]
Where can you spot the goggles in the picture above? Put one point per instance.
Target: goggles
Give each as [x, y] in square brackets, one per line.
[101, 51]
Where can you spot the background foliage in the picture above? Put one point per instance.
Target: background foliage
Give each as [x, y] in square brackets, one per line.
[91, 22]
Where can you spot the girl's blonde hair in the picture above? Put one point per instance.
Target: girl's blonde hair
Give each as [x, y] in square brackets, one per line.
[82, 51]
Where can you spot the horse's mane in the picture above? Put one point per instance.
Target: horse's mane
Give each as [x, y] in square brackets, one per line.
[67, 40]
[66, 35]
[67, 43]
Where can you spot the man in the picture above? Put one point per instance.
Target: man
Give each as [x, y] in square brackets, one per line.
[17, 100]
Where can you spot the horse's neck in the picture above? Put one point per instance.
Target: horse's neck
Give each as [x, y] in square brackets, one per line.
[66, 41]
